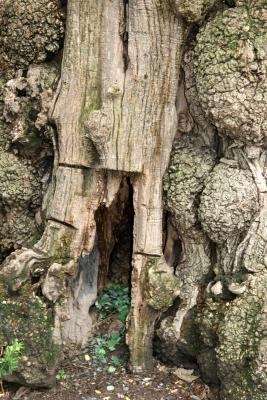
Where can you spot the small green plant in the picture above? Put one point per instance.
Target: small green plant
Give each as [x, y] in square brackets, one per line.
[9, 357]
[61, 375]
[106, 343]
[114, 299]
[116, 361]
[111, 370]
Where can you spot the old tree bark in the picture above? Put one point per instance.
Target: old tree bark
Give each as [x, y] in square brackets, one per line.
[149, 108]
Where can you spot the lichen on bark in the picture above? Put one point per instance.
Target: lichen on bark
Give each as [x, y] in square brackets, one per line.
[27, 319]
[160, 106]
[30, 31]
[230, 70]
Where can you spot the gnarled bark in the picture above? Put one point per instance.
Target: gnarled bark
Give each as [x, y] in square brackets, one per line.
[149, 115]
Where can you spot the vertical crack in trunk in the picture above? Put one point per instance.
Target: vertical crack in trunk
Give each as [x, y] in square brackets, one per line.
[125, 33]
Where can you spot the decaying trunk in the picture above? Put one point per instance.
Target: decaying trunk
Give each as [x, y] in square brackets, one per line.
[156, 129]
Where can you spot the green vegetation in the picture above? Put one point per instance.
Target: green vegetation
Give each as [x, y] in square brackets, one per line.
[113, 303]
[61, 375]
[114, 299]
[9, 359]
[106, 343]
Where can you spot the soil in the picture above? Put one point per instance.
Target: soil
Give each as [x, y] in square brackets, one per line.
[85, 378]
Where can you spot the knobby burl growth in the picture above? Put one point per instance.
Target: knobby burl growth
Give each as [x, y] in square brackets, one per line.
[144, 84]
[230, 80]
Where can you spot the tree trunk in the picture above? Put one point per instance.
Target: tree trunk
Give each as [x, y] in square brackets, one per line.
[160, 110]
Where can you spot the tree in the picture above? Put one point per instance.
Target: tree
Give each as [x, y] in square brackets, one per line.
[160, 106]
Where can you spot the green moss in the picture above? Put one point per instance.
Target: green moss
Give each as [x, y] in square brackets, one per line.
[241, 351]
[25, 317]
[92, 101]
[160, 283]
[61, 247]
[33, 239]
[245, 389]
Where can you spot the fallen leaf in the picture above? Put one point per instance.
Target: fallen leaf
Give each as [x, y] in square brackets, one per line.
[185, 375]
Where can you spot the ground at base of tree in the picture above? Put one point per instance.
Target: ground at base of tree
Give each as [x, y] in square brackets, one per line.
[81, 379]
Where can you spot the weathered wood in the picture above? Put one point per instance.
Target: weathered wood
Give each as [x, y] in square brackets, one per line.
[135, 60]
[115, 110]
[79, 90]
[137, 118]
[141, 320]
[154, 73]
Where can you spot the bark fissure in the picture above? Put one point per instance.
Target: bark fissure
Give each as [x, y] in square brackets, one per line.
[63, 223]
[125, 33]
[75, 166]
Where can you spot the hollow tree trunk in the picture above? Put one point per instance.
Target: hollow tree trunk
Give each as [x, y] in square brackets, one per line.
[154, 97]
[120, 65]
[113, 91]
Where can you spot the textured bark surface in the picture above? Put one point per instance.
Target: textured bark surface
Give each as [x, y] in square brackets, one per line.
[152, 138]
